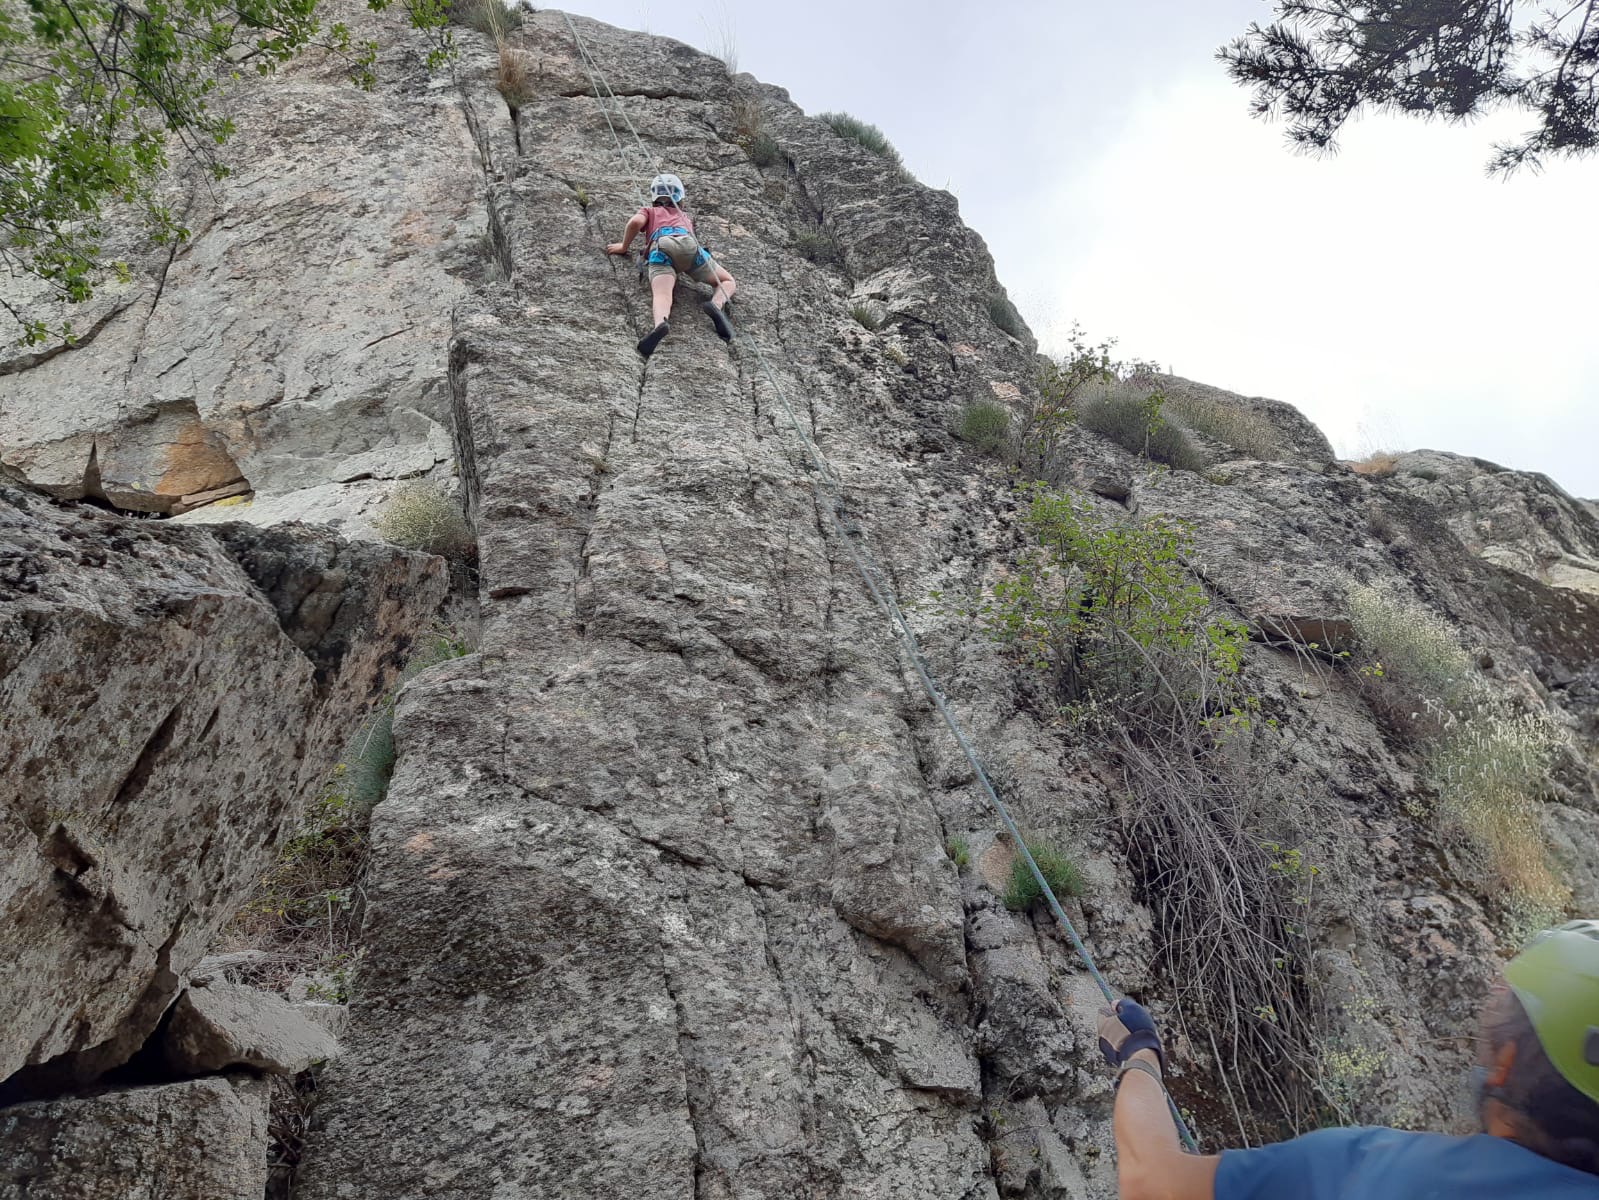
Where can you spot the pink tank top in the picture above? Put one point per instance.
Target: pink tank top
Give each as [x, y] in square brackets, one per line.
[663, 216]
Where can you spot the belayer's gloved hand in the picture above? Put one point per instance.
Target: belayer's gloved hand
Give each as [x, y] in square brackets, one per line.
[1125, 1030]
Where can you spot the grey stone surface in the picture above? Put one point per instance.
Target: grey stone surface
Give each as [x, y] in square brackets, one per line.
[168, 699]
[204, 1139]
[660, 902]
[225, 1025]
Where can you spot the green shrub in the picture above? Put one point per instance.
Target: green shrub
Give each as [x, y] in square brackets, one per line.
[959, 851]
[1245, 430]
[419, 516]
[986, 426]
[1003, 313]
[1059, 872]
[1132, 417]
[862, 133]
[868, 315]
[817, 245]
[764, 150]
[1109, 613]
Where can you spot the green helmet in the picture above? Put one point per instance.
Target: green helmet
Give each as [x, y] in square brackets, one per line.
[1556, 978]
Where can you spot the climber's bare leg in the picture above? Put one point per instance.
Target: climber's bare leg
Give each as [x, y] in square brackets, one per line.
[661, 296]
[725, 286]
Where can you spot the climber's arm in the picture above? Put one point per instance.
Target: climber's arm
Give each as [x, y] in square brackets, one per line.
[1150, 1162]
[632, 231]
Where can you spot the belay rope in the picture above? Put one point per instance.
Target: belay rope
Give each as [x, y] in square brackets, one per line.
[872, 575]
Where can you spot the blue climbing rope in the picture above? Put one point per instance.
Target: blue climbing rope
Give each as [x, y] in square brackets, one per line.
[875, 579]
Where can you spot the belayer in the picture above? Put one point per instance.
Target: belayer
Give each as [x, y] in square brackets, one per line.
[1537, 1103]
[669, 236]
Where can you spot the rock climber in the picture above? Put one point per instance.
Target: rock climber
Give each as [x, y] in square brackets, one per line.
[1537, 1102]
[669, 237]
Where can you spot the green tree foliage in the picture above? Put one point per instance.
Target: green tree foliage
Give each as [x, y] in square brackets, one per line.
[1320, 63]
[93, 93]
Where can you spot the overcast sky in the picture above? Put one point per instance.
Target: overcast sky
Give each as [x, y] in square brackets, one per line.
[1393, 293]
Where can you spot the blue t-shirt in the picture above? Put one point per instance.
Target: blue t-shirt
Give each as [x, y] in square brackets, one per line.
[1389, 1164]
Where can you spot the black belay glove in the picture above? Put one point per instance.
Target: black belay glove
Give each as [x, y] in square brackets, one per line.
[1127, 1029]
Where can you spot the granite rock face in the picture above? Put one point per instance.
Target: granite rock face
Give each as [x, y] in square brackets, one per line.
[199, 1140]
[664, 898]
[169, 697]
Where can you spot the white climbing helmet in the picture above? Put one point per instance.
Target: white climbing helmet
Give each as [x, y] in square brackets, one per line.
[667, 185]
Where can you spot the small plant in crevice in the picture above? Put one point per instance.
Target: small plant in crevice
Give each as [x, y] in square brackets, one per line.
[1004, 315]
[764, 150]
[868, 315]
[304, 911]
[896, 355]
[420, 516]
[512, 79]
[580, 194]
[959, 851]
[986, 425]
[1059, 871]
[818, 246]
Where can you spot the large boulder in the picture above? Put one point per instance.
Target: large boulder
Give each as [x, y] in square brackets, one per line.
[169, 697]
[205, 1139]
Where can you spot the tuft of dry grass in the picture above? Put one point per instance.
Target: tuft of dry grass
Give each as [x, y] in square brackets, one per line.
[1245, 430]
[1380, 464]
[512, 78]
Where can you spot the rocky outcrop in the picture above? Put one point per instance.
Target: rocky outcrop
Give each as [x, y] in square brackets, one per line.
[198, 1140]
[295, 348]
[169, 698]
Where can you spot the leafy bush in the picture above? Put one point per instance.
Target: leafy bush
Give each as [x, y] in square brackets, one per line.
[1059, 871]
[1003, 313]
[862, 133]
[868, 315]
[419, 516]
[764, 150]
[817, 245]
[1134, 419]
[1108, 611]
[1247, 431]
[1054, 410]
[985, 425]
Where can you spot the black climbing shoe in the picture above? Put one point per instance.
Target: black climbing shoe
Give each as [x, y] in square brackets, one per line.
[652, 339]
[724, 327]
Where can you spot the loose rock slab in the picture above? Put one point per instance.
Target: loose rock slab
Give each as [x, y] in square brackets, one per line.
[233, 1025]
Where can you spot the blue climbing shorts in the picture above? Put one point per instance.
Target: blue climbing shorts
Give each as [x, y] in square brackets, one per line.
[673, 252]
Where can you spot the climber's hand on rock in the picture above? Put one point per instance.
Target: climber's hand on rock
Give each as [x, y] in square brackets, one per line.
[1125, 1030]
[616, 248]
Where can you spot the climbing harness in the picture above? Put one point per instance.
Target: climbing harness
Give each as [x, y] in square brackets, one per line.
[874, 577]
